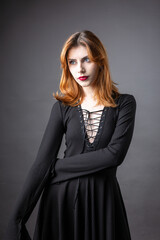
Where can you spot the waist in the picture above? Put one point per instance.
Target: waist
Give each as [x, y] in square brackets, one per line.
[99, 175]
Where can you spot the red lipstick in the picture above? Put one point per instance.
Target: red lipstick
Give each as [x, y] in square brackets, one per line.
[83, 78]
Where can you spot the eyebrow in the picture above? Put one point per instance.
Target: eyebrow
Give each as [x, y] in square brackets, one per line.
[75, 58]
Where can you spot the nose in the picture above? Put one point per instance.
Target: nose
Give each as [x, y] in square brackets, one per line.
[81, 68]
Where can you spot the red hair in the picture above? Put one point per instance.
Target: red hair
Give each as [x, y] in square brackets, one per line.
[71, 92]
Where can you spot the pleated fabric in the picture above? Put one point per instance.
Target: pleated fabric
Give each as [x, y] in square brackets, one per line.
[88, 208]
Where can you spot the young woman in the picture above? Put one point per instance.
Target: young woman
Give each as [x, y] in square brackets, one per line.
[81, 197]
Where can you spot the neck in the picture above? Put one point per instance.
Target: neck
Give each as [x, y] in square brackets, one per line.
[88, 92]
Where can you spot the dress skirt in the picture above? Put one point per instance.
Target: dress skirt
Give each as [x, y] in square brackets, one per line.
[85, 208]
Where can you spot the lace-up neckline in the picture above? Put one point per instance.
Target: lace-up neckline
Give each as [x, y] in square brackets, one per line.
[91, 125]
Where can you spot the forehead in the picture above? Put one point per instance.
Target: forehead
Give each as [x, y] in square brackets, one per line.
[77, 52]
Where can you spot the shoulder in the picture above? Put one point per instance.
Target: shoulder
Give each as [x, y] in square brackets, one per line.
[125, 98]
[59, 104]
[126, 105]
[56, 114]
[63, 107]
[56, 108]
[56, 105]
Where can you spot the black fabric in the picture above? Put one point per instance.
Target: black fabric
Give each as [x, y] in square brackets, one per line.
[81, 197]
[110, 156]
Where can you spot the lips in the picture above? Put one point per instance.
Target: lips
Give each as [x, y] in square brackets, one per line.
[83, 78]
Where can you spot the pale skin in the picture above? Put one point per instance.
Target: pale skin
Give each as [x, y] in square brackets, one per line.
[80, 65]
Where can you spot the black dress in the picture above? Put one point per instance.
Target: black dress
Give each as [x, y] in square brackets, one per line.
[81, 198]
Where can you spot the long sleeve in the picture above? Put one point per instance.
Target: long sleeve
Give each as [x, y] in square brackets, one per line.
[110, 156]
[37, 176]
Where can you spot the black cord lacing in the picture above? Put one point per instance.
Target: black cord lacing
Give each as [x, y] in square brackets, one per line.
[92, 123]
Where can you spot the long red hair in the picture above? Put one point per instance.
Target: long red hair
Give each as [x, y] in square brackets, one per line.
[71, 92]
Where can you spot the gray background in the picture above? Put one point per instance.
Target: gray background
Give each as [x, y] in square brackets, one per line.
[32, 35]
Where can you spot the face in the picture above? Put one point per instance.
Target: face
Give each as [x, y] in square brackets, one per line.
[83, 70]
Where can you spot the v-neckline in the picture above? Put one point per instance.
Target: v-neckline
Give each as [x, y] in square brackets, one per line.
[83, 127]
[91, 111]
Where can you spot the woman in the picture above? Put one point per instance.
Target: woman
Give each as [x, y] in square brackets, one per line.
[81, 198]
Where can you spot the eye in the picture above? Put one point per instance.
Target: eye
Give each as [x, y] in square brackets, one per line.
[86, 59]
[72, 62]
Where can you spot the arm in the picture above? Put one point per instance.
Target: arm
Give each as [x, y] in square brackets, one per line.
[37, 176]
[110, 156]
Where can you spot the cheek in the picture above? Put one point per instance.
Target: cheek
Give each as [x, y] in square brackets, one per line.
[94, 70]
[72, 71]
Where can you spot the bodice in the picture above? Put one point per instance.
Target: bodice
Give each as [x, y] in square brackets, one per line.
[91, 125]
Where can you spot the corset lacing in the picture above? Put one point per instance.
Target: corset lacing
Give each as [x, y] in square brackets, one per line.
[91, 125]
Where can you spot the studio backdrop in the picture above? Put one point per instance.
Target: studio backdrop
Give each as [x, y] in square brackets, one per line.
[32, 34]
